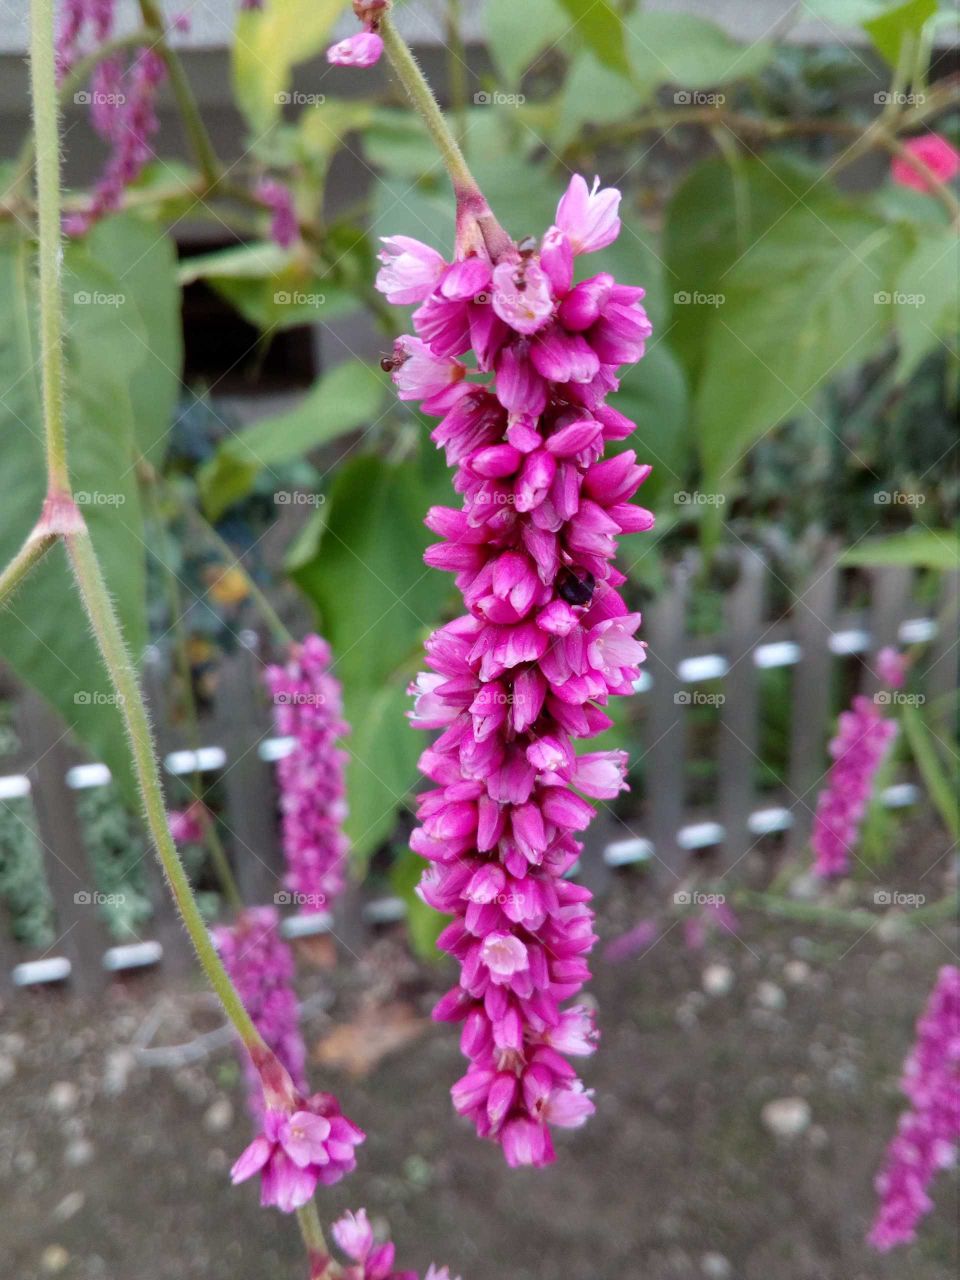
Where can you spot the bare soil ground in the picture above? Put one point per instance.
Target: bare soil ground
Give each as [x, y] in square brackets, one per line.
[112, 1171]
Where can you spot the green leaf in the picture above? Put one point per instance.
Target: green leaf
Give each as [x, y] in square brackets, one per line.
[654, 394]
[593, 94]
[268, 44]
[396, 142]
[715, 215]
[926, 300]
[799, 307]
[922, 548]
[424, 925]
[891, 29]
[600, 27]
[518, 33]
[361, 564]
[683, 50]
[44, 633]
[939, 785]
[144, 264]
[348, 397]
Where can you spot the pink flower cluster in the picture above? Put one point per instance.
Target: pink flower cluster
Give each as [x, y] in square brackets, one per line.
[312, 1142]
[354, 1235]
[547, 639]
[928, 1133]
[122, 105]
[365, 48]
[303, 1141]
[261, 967]
[308, 707]
[864, 737]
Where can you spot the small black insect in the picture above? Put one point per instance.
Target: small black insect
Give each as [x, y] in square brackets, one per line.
[527, 246]
[388, 364]
[576, 587]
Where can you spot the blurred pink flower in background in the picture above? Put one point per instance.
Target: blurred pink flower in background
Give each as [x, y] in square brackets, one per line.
[935, 153]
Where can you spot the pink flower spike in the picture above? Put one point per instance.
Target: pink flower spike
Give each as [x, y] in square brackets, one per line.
[360, 50]
[589, 215]
[308, 707]
[928, 1133]
[545, 642]
[935, 153]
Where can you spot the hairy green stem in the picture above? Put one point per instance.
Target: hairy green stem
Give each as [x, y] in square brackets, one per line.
[426, 105]
[43, 92]
[123, 676]
[322, 1266]
[197, 133]
[33, 550]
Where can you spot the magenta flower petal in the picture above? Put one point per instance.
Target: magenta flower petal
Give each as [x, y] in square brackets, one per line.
[360, 50]
[251, 1160]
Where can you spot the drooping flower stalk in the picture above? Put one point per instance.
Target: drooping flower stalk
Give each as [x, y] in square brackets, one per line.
[308, 707]
[929, 1131]
[863, 740]
[546, 642]
[261, 967]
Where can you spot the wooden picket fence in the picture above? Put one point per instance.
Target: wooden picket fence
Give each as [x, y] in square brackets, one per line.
[237, 748]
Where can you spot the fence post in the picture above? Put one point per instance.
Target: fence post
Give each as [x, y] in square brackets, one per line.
[82, 936]
[739, 743]
[664, 758]
[814, 612]
[891, 588]
[243, 720]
